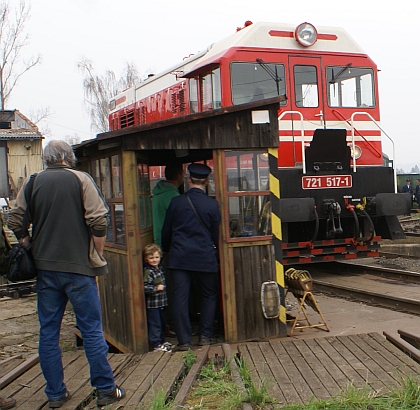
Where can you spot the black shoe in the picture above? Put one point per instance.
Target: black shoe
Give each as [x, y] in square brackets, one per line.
[205, 341]
[6, 404]
[108, 398]
[55, 404]
[183, 347]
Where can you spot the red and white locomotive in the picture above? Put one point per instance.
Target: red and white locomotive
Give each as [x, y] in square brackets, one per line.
[337, 191]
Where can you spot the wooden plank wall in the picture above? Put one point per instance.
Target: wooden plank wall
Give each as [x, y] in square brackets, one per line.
[253, 265]
[22, 162]
[116, 302]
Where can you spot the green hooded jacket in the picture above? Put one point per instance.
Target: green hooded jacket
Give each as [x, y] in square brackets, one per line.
[163, 193]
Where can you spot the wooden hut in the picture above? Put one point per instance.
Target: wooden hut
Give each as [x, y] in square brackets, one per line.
[20, 151]
[240, 143]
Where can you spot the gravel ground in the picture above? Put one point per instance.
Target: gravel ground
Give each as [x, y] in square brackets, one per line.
[408, 264]
[19, 328]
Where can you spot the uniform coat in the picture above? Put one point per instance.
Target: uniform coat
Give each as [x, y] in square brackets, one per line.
[192, 254]
[190, 246]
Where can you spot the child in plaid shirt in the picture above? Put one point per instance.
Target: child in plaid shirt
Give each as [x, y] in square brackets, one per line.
[156, 297]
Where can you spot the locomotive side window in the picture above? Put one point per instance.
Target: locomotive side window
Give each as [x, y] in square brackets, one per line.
[350, 87]
[247, 176]
[306, 86]
[257, 81]
[211, 95]
[193, 95]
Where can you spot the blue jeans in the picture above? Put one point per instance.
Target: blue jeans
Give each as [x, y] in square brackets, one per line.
[209, 294]
[156, 325]
[54, 290]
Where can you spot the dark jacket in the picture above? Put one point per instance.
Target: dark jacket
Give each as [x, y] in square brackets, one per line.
[407, 189]
[67, 209]
[189, 244]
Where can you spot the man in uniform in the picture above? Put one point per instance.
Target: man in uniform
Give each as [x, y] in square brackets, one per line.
[190, 234]
[408, 189]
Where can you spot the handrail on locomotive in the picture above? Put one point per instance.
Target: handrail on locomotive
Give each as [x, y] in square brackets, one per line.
[383, 131]
[302, 133]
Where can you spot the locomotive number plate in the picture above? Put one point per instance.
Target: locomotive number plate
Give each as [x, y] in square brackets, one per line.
[327, 181]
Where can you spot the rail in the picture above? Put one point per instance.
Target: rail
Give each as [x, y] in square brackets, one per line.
[302, 132]
[382, 130]
[17, 290]
[341, 116]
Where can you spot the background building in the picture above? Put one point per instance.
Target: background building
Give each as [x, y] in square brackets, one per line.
[20, 151]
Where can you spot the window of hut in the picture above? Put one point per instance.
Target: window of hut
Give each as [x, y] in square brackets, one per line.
[106, 172]
[143, 177]
[247, 176]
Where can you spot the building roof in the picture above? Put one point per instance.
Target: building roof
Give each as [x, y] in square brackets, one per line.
[20, 134]
[14, 125]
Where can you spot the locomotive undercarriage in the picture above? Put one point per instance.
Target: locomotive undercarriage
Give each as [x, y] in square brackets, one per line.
[338, 223]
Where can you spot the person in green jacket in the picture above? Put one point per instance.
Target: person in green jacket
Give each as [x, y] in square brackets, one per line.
[162, 195]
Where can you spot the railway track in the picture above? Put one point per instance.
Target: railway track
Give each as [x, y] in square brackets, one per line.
[390, 288]
[18, 290]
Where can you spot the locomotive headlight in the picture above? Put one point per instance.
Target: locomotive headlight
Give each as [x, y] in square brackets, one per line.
[356, 153]
[306, 34]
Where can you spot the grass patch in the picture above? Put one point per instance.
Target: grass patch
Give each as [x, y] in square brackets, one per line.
[215, 389]
[257, 396]
[189, 360]
[159, 402]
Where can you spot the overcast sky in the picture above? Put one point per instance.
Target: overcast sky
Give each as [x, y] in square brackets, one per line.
[155, 35]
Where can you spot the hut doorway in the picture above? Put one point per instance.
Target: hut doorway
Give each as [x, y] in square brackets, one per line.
[150, 170]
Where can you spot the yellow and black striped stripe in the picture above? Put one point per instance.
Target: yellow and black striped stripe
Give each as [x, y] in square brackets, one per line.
[276, 229]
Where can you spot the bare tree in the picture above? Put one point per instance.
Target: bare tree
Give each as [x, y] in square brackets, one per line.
[12, 40]
[99, 90]
[40, 118]
[72, 139]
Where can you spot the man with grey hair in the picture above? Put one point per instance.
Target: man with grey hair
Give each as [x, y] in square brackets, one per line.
[69, 220]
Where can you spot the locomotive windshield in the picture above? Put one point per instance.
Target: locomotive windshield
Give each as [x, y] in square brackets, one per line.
[350, 87]
[255, 81]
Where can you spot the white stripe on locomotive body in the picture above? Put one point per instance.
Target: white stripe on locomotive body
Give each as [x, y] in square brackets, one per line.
[167, 78]
[288, 125]
[257, 35]
[156, 83]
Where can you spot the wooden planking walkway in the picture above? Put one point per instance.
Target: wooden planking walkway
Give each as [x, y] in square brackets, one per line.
[294, 371]
[142, 376]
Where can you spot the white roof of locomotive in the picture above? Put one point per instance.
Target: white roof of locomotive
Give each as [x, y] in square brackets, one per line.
[256, 35]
